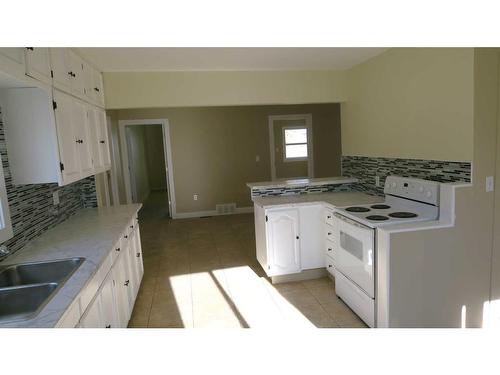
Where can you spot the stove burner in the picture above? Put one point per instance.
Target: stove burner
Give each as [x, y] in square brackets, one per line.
[377, 217]
[357, 209]
[380, 206]
[403, 215]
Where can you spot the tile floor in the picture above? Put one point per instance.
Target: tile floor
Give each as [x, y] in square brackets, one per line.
[203, 273]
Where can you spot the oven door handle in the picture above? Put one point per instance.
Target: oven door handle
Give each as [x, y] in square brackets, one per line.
[350, 221]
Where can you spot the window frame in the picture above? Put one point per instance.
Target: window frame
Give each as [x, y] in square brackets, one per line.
[300, 158]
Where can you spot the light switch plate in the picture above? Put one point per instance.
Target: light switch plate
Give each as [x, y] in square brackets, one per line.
[195, 197]
[490, 184]
[257, 158]
[55, 197]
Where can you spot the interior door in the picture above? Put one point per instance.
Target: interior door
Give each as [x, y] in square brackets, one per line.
[67, 137]
[38, 64]
[283, 241]
[59, 61]
[83, 137]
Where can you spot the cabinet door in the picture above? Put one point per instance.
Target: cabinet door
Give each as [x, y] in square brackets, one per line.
[121, 288]
[138, 252]
[38, 64]
[97, 87]
[108, 303]
[66, 138]
[95, 137]
[93, 317]
[83, 137]
[77, 74]
[283, 243]
[61, 71]
[312, 240]
[12, 61]
[103, 139]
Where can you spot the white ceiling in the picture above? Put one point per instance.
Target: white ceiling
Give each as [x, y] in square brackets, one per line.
[203, 59]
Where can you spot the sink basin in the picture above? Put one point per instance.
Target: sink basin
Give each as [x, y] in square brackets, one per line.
[19, 303]
[25, 288]
[38, 273]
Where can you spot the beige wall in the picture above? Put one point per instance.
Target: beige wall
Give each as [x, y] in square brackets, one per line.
[411, 103]
[155, 157]
[214, 148]
[195, 89]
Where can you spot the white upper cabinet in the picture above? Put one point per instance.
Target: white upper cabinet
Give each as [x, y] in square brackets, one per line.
[77, 72]
[83, 140]
[103, 139]
[38, 64]
[61, 71]
[67, 135]
[94, 129]
[12, 61]
[98, 87]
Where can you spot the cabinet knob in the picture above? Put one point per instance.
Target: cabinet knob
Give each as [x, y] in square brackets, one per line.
[117, 249]
[138, 255]
[96, 89]
[108, 326]
[102, 142]
[30, 48]
[297, 237]
[329, 217]
[125, 236]
[329, 233]
[127, 282]
[131, 227]
[329, 249]
[329, 266]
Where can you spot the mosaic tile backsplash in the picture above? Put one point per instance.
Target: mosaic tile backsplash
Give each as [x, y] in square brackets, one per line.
[31, 207]
[300, 190]
[366, 168]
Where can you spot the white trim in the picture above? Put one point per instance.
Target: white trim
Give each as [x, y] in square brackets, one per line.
[114, 163]
[189, 215]
[310, 149]
[167, 148]
[6, 231]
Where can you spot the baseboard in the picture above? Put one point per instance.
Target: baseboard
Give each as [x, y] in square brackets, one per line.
[188, 215]
[315, 273]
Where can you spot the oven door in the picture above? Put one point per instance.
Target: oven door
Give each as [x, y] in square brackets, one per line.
[354, 253]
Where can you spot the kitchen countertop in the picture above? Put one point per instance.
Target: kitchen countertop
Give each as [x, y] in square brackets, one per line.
[334, 199]
[91, 233]
[301, 182]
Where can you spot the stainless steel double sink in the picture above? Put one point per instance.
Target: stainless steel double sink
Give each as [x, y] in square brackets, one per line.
[27, 287]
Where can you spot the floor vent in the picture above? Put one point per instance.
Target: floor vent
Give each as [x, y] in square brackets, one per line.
[226, 208]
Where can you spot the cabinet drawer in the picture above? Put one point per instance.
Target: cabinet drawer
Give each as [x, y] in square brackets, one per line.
[355, 298]
[330, 266]
[329, 233]
[328, 217]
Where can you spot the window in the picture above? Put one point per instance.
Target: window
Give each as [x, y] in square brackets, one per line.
[295, 143]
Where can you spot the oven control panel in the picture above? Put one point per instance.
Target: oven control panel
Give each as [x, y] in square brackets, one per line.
[413, 188]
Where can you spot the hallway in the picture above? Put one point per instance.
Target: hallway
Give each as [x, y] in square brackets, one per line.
[203, 273]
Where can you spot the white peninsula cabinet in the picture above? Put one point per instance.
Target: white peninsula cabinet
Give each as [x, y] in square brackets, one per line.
[289, 239]
[108, 299]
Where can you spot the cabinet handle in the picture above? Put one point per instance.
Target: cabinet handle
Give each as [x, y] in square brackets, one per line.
[70, 74]
[329, 266]
[108, 326]
[102, 142]
[127, 282]
[329, 233]
[96, 89]
[138, 255]
[117, 249]
[329, 249]
[125, 237]
[328, 217]
[297, 237]
[131, 227]
[30, 48]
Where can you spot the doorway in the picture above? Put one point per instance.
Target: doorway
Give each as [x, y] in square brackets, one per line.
[147, 165]
[291, 146]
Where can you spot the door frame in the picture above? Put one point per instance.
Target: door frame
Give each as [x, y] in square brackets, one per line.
[114, 163]
[310, 160]
[167, 150]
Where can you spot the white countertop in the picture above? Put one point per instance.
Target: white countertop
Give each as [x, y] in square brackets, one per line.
[334, 199]
[91, 233]
[302, 182]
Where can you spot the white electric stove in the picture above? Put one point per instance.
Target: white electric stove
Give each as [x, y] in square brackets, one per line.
[406, 200]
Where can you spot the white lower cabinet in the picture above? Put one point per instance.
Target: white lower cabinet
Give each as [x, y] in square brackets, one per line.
[289, 239]
[113, 299]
